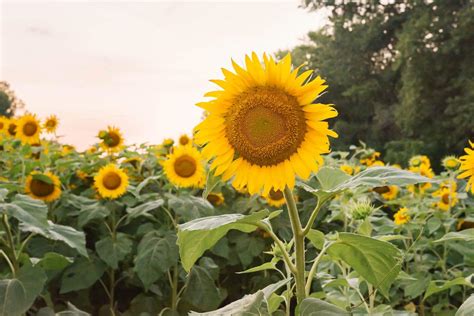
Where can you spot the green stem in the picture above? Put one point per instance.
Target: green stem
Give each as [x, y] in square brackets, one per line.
[313, 216]
[299, 244]
[314, 267]
[11, 245]
[8, 261]
[112, 292]
[174, 289]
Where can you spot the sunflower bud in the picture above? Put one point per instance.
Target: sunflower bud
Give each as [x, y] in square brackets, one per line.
[361, 209]
[451, 163]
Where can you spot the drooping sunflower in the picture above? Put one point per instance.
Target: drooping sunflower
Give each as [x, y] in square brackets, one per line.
[28, 129]
[112, 139]
[401, 217]
[111, 182]
[51, 124]
[467, 167]
[184, 167]
[215, 198]
[275, 198]
[3, 125]
[43, 186]
[184, 140]
[262, 128]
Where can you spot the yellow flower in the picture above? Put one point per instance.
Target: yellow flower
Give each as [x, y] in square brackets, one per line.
[51, 124]
[112, 139]
[11, 128]
[28, 129]
[43, 186]
[215, 199]
[347, 169]
[467, 167]
[184, 167]
[451, 163]
[388, 192]
[262, 128]
[4, 124]
[111, 182]
[184, 140]
[424, 170]
[447, 198]
[168, 142]
[370, 158]
[377, 163]
[401, 217]
[417, 161]
[67, 149]
[275, 198]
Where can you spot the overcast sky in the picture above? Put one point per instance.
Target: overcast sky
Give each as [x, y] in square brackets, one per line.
[141, 66]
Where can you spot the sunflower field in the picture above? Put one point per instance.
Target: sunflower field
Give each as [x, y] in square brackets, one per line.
[251, 214]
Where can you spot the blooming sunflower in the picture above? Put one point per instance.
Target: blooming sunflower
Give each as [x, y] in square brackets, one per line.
[467, 167]
[112, 139]
[51, 124]
[424, 170]
[184, 140]
[215, 199]
[11, 127]
[275, 198]
[417, 161]
[43, 186]
[401, 217]
[377, 163]
[111, 182]
[370, 158]
[388, 192]
[347, 169]
[28, 129]
[184, 167]
[3, 124]
[447, 198]
[262, 128]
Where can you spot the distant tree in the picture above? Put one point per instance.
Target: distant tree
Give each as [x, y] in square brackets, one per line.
[9, 103]
[401, 72]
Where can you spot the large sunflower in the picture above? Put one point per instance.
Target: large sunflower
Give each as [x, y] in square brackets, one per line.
[467, 167]
[28, 129]
[51, 124]
[262, 128]
[184, 167]
[43, 186]
[111, 182]
[112, 139]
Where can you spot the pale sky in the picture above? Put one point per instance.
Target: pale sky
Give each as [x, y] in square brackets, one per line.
[141, 66]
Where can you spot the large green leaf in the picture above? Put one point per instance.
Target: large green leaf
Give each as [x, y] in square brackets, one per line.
[467, 308]
[28, 211]
[92, 212]
[83, 273]
[156, 254]
[199, 235]
[143, 209]
[53, 263]
[190, 207]
[377, 261]
[33, 279]
[113, 251]
[13, 297]
[316, 307]
[464, 235]
[201, 291]
[439, 286]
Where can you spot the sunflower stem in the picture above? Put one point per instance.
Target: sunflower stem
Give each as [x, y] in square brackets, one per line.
[11, 245]
[299, 245]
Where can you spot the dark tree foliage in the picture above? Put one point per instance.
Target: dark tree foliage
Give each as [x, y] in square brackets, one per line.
[401, 73]
[9, 103]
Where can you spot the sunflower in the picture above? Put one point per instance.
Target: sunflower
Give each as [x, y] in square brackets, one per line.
[215, 199]
[347, 169]
[467, 167]
[388, 192]
[111, 182]
[451, 163]
[184, 167]
[275, 198]
[112, 139]
[262, 128]
[3, 124]
[424, 170]
[417, 161]
[43, 186]
[11, 127]
[28, 129]
[401, 217]
[184, 140]
[168, 142]
[447, 198]
[370, 158]
[51, 124]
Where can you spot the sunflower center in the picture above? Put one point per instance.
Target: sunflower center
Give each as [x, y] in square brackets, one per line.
[382, 190]
[112, 181]
[184, 140]
[214, 199]
[185, 166]
[51, 123]
[30, 128]
[40, 188]
[445, 198]
[12, 129]
[276, 195]
[1, 125]
[113, 139]
[265, 125]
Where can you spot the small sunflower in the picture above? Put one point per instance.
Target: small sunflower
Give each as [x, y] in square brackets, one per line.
[112, 139]
[184, 140]
[43, 186]
[67, 149]
[168, 142]
[275, 198]
[111, 182]
[347, 169]
[377, 163]
[419, 160]
[451, 163]
[447, 198]
[388, 192]
[369, 158]
[3, 124]
[215, 199]
[262, 128]
[51, 124]
[467, 167]
[11, 127]
[424, 170]
[28, 129]
[184, 167]
[401, 217]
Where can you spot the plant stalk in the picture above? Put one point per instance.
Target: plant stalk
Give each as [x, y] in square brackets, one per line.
[11, 245]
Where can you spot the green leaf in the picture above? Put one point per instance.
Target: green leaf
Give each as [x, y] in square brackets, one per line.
[467, 308]
[190, 207]
[439, 286]
[375, 260]
[201, 291]
[211, 183]
[265, 266]
[3, 194]
[199, 235]
[331, 177]
[316, 238]
[464, 235]
[143, 209]
[33, 279]
[53, 263]
[72, 311]
[83, 273]
[113, 251]
[155, 255]
[92, 212]
[27, 211]
[316, 307]
[43, 178]
[13, 297]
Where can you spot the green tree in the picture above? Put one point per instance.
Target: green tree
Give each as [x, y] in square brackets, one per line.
[9, 103]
